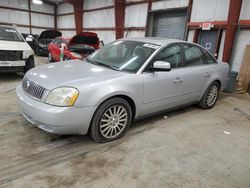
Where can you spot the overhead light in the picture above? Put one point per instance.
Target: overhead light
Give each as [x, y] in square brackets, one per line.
[38, 2]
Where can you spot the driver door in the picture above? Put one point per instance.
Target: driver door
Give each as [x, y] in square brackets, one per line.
[164, 90]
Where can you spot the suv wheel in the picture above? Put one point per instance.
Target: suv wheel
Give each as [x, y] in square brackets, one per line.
[111, 120]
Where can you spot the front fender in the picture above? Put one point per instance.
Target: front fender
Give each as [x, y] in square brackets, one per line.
[96, 93]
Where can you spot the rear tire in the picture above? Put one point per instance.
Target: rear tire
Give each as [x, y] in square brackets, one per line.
[111, 120]
[29, 64]
[210, 97]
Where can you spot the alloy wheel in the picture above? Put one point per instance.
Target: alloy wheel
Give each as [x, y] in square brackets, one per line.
[212, 95]
[113, 121]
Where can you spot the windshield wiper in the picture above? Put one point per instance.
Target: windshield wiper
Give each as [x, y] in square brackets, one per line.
[102, 64]
[109, 66]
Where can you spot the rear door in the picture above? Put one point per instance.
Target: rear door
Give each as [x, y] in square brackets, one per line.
[163, 90]
[198, 66]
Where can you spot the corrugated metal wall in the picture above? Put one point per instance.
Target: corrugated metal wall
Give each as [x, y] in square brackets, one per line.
[66, 19]
[20, 17]
[100, 21]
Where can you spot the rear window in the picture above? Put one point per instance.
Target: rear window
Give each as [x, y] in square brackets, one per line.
[10, 34]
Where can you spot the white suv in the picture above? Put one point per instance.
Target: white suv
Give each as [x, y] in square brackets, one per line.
[15, 53]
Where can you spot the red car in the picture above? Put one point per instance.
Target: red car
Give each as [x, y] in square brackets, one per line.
[78, 47]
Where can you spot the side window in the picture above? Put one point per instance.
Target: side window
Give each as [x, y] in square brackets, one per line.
[192, 55]
[208, 59]
[59, 41]
[171, 55]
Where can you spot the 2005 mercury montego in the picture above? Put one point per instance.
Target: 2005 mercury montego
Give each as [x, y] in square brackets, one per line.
[125, 80]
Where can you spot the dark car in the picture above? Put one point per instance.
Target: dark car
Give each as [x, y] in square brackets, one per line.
[44, 39]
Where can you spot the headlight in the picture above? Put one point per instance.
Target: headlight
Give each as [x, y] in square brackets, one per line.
[63, 96]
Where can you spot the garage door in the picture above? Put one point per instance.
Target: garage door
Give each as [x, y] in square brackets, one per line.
[170, 25]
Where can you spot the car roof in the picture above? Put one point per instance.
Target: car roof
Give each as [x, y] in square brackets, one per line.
[155, 40]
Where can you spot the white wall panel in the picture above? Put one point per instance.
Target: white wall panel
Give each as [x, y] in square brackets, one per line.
[222, 45]
[23, 29]
[68, 33]
[131, 34]
[101, 18]
[42, 20]
[22, 4]
[245, 12]
[37, 31]
[212, 10]
[239, 49]
[106, 36]
[166, 4]
[66, 21]
[91, 4]
[190, 35]
[65, 8]
[136, 15]
[42, 8]
[12, 16]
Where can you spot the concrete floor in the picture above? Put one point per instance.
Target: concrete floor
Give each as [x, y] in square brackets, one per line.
[185, 148]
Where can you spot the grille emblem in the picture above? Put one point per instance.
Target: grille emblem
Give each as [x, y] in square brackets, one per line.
[26, 85]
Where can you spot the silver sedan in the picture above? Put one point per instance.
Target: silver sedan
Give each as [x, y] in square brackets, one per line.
[125, 80]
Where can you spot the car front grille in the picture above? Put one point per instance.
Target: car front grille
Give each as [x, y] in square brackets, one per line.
[8, 55]
[33, 89]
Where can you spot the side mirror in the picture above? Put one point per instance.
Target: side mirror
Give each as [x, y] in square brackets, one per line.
[29, 39]
[161, 66]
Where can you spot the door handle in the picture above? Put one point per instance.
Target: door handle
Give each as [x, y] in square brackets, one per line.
[207, 74]
[178, 80]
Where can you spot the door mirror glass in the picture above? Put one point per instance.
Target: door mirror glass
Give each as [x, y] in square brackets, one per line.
[161, 66]
[29, 39]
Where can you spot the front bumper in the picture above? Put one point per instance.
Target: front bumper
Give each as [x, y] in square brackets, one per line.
[12, 66]
[58, 120]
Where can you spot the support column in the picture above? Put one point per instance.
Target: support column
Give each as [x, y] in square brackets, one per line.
[231, 28]
[119, 18]
[78, 12]
[55, 17]
[29, 1]
[78, 9]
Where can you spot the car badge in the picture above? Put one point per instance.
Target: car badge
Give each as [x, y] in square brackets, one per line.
[26, 85]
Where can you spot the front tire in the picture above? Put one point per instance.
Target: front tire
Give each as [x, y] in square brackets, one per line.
[111, 120]
[210, 97]
[29, 64]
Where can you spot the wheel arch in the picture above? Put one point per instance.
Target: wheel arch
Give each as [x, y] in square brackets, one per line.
[126, 98]
[123, 96]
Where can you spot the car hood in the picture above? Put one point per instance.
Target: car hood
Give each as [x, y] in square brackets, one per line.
[88, 38]
[49, 34]
[73, 73]
[15, 46]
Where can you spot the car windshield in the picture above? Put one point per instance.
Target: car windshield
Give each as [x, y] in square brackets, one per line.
[10, 34]
[123, 55]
